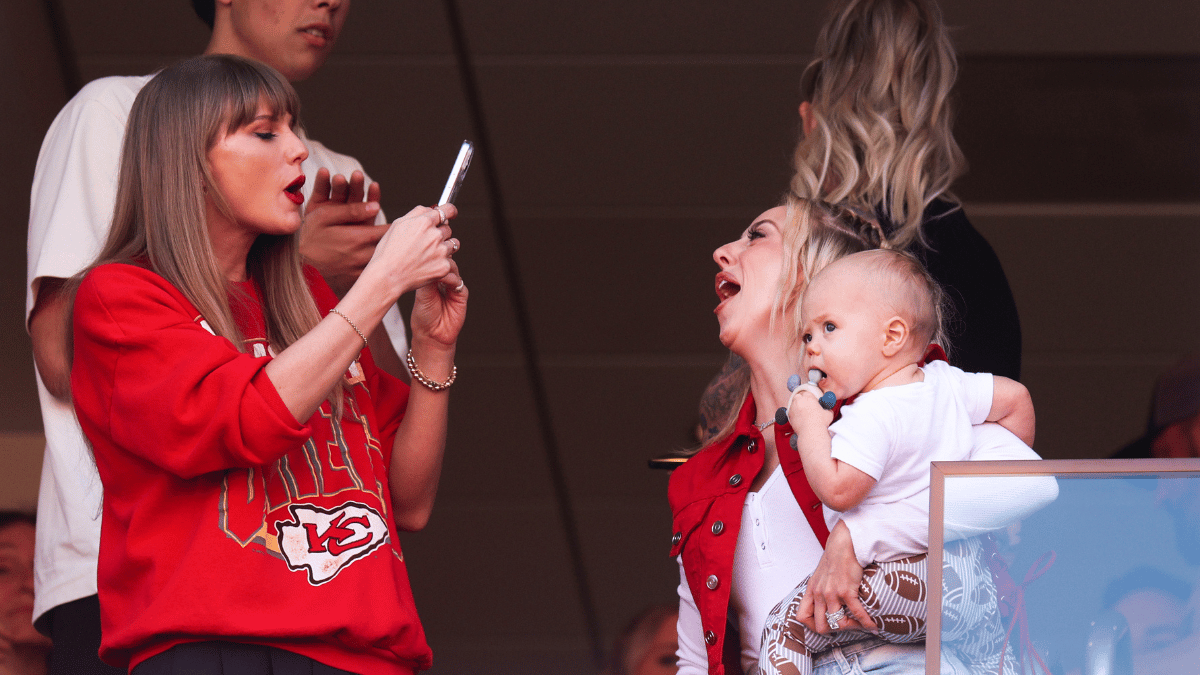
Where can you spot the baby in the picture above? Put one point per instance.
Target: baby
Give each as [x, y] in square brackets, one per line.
[867, 321]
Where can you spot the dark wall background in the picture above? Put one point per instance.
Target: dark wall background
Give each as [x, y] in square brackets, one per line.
[632, 138]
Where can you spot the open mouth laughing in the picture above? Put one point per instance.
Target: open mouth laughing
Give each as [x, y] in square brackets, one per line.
[726, 287]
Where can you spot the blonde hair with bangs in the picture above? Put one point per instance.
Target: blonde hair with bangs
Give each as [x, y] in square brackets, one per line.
[159, 219]
[879, 89]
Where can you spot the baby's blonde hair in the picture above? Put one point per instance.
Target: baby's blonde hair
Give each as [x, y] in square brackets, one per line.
[816, 234]
[902, 281]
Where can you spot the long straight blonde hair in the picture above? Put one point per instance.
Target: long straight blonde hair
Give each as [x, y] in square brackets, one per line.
[879, 89]
[159, 219]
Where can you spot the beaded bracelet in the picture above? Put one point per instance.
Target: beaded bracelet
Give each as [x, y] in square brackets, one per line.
[356, 330]
[421, 377]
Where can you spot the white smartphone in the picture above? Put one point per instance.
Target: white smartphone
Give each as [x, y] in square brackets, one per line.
[458, 173]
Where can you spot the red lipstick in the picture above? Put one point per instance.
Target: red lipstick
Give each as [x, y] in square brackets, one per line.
[293, 190]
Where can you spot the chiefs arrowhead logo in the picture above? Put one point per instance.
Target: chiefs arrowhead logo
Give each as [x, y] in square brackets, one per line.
[325, 542]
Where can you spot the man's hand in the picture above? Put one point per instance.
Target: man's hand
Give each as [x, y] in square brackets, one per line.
[339, 235]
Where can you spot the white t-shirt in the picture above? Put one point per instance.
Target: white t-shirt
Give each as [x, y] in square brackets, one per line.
[71, 206]
[893, 433]
[776, 548]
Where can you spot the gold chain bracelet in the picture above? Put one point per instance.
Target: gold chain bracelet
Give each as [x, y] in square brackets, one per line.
[335, 310]
[421, 377]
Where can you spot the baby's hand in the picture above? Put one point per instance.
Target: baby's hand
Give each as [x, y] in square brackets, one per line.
[804, 407]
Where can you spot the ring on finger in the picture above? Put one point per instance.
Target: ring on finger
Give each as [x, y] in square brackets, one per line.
[832, 618]
[441, 213]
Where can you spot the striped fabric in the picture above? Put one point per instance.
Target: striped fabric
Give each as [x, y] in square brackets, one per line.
[895, 594]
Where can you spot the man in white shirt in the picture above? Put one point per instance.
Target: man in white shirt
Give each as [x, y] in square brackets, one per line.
[71, 208]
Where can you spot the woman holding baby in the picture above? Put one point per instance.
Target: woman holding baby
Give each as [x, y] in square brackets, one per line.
[747, 524]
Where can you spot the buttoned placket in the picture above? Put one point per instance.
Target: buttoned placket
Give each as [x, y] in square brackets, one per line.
[758, 527]
[753, 507]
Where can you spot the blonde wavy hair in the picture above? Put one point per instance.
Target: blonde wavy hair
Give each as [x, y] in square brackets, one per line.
[159, 220]
[879, 90]
[814, 235]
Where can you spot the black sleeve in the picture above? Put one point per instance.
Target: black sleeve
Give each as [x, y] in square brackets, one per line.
[984, 330]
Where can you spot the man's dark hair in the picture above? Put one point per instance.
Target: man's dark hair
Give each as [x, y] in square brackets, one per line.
[206, 10]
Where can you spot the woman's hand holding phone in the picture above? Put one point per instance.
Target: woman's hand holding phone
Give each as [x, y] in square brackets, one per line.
[416, 254]
[416, 250]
